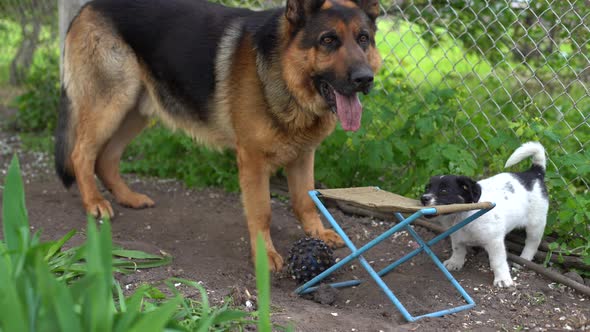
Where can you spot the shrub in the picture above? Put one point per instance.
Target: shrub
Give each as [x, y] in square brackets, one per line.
[37, 106]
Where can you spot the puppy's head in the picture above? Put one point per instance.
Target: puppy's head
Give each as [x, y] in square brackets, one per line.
[450, 189]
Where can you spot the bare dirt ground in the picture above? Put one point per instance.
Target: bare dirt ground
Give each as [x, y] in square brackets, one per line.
[205, 231]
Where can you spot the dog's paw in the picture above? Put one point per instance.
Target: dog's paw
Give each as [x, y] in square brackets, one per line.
[331, 238]
[453, 265]
[136, 201]
[503, 282]
[99, 208]
[275, 261]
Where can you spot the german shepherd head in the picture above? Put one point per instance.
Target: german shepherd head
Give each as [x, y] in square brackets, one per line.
[331, 56]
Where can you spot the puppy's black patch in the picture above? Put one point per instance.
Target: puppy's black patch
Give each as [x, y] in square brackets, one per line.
[535, 174]
[509, 187]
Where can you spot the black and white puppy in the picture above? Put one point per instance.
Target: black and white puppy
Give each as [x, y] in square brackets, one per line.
[521, 202]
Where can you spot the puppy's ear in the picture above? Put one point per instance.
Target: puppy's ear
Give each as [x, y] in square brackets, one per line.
[296, 11]
[471, 189]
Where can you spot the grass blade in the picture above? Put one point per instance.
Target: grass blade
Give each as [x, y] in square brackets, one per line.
[98, 300]
[127, 266]
[228, 316]
[157, 319]
[263, 285]
[12, 308]
[57, 245]
[15, 225]
[15, 222]
[132, 310]
[57, 299]
[134, 254]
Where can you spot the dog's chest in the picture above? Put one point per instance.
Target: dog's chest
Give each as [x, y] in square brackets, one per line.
[288, 147]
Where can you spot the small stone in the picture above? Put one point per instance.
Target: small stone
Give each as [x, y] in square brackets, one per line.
[325, 294]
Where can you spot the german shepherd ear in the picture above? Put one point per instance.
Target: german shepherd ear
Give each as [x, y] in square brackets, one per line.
[297, 10]
[370, 7]
[470, 188]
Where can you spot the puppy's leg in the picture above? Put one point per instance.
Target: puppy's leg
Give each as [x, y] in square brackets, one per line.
[300, 179]
[254, 173]
[458, 257]
[107, 165]
[498, 263]
[534, 235]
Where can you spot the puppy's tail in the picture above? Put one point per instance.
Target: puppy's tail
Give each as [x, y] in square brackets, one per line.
[64, 140]
[529, 149]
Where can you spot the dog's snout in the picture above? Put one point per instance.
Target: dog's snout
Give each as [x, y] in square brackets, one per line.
[362, 78]
[425, 199]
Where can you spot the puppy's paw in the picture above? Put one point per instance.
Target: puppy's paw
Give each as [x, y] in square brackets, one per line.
[503, 282]
[453, 265]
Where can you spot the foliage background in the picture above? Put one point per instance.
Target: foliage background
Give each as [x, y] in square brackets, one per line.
[463, 84]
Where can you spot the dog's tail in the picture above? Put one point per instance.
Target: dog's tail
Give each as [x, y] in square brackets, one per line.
[529, 149]
[64, 137]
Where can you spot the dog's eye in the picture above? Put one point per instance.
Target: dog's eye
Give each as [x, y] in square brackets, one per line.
[327, 40]
[465, 188]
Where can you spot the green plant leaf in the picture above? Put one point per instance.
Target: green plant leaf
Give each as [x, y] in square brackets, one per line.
[11, 306]
[57, 245]
[156, 320]
[98, 301]
[134, 254]
[15, 222]
[56, 298]
[262, 285]
[228, 316]
[132, 310]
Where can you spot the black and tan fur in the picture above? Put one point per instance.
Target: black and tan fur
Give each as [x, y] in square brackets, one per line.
[266, 84]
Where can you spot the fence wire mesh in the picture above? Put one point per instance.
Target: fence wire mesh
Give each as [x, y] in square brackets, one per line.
[516, 66]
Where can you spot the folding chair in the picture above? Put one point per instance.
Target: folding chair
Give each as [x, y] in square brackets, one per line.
[384, 201]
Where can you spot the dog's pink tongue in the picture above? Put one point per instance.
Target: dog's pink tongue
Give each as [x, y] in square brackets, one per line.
[349, 111]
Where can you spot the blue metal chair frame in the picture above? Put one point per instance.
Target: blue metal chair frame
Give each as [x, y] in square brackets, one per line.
[404, 224]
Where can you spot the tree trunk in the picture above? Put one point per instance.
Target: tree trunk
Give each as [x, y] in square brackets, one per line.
[19, 67]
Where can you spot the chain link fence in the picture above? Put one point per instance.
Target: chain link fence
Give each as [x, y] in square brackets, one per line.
[522, 64]
[515, 68]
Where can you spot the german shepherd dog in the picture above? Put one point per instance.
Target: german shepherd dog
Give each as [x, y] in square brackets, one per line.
[269, 84]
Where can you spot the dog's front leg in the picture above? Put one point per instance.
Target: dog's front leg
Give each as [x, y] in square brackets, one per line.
[498, 263]
[457, 259]
[254, 183]
[300, 179]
